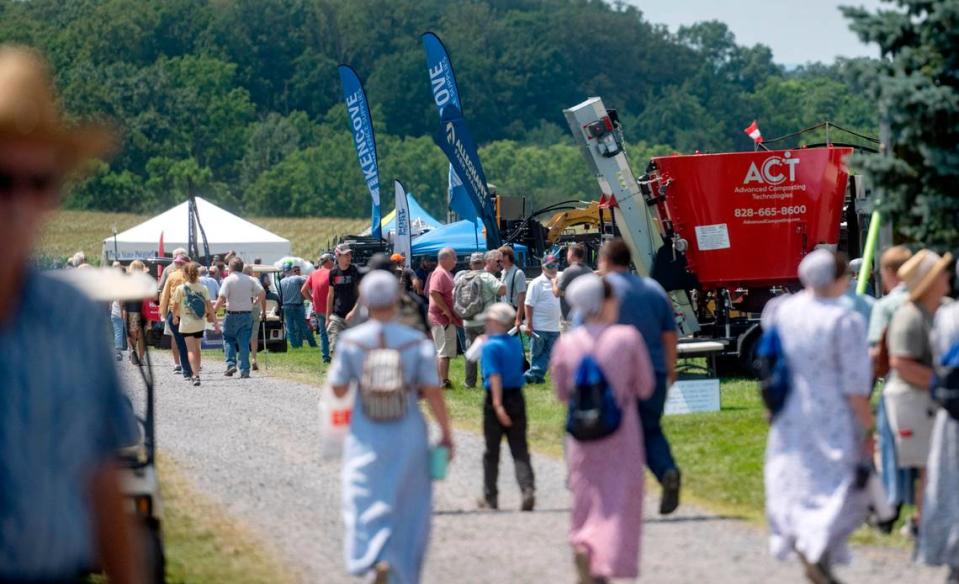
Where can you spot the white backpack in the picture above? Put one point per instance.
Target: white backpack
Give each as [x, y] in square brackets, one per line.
[383, 392]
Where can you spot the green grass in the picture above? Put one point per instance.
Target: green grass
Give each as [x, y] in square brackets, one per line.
[70, 231]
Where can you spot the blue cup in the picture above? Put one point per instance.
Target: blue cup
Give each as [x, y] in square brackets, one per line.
[439, 462]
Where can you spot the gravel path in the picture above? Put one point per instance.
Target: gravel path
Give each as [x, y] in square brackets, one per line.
[251, 445]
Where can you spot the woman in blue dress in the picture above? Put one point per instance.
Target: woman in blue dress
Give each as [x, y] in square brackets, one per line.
[387, 489]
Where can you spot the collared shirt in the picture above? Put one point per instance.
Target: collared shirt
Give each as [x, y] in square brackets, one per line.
[883, 310]
[239, 290]
[441, 282]
[173, 281]
[290, 290]
[502, 355]
[319, 282]
[644, 304]
[62, 415]
[212, 286]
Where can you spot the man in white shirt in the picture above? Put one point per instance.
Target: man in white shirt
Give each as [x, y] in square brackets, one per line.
[238, 292]
[543, 315]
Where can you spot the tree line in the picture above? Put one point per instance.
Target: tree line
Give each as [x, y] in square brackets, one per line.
[239, 101]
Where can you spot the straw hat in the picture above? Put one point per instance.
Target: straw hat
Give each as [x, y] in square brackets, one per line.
[29, 111]
[922, 270]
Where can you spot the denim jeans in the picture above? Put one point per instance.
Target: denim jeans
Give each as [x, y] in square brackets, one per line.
[294, 317]
[237, 329]
[659, 458]
[324, 337]
[180, 346]
[541, 347]
[119, 333]
[472, 333]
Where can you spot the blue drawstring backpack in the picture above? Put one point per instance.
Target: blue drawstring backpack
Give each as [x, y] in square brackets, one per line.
[773, 372]
[592, 413]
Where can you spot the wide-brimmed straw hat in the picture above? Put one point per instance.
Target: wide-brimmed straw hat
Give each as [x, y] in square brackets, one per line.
[921, 270]
[29, 111]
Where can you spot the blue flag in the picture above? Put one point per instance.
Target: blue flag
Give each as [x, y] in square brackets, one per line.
[361, 125]
[455, 140]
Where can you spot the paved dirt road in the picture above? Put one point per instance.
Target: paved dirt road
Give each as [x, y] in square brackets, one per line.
[251, 445]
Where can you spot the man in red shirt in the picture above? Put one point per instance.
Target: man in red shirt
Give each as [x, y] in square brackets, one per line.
[315, 289]
[443, 320]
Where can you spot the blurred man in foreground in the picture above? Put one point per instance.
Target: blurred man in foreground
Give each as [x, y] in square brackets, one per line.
[63, 418]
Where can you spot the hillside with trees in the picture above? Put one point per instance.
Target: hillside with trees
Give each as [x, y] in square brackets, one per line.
[239, 100]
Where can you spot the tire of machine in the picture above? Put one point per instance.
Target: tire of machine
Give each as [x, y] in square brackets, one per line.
[154, 556]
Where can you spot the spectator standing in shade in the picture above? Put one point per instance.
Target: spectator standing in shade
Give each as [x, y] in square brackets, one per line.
[515, 281]
[238, 292]
[504, 411]
[543, 315]
[909, 404]
[62, 413]
[644, 304]
[897, 482]
[443, 320]
[481, 268]
[606, 475]
[294, 312]
[317, 288]
[343, 294]
[575, 256]
[176, 278]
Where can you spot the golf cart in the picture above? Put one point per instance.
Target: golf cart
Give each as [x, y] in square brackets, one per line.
[136, 460]
[272, 333]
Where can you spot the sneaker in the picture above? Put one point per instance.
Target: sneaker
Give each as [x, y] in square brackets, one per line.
[230, 371]
[177, 369]
[529, 500]
[327, 360]
[485, 502]
[447, 384]
[134, 359]
[255, 367]
[196, 381]
[671, 485]
[245, 375]
[119, 355]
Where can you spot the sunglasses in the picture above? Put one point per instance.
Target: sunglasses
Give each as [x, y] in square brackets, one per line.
[551, 266]
[35, 183]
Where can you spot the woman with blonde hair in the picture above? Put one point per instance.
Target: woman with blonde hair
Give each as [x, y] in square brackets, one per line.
[191, 310]
[134, 319]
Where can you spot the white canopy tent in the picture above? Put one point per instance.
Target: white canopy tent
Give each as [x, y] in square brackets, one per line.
[224, 232]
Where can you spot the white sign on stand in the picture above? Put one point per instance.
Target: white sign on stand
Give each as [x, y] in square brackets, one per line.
[689, 396]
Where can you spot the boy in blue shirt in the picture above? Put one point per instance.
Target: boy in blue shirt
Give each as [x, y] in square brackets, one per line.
[504, 412]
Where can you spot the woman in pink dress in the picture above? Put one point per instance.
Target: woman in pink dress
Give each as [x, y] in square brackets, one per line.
[605, 475]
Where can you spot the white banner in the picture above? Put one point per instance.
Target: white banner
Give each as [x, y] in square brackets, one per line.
[402, 242]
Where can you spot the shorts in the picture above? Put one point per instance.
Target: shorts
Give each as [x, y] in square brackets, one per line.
[444, 337]
[912, 414]
[196, 335]
[134, 322]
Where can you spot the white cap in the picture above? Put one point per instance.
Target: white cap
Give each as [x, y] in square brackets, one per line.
[379, 289]
[586, 294]
[818, 269]
[500, 312]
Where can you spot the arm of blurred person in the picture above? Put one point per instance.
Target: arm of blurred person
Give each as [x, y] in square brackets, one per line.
[529, 318]
[670, 340]
[117, 549]
[912, 371]
[305, 290]
[329, 305]
[862, 410]
[434, 397]
[417, 285]
[437, 298]
[496, 390]
[521, 308]
[220, 302]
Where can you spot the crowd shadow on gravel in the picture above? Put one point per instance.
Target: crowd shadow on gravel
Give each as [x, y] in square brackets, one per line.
[696, 519]
[454, 512]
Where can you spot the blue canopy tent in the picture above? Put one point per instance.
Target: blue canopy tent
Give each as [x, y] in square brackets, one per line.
[420, 219]
[463, 236]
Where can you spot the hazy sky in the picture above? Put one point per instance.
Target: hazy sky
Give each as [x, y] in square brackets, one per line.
[796, 31]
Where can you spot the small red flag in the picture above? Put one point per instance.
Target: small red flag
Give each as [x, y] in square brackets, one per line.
[160, 253]
[753, 132]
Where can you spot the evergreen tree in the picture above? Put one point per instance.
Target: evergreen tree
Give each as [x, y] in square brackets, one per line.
[918, 95]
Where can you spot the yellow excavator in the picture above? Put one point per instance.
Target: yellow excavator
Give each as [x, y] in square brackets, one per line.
[591, 218]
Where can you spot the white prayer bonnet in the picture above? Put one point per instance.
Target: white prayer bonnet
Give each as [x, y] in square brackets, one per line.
[379, 289]
[818, 269]
[586, 294]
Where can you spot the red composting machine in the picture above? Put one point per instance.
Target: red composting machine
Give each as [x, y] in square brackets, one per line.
[723, 233]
